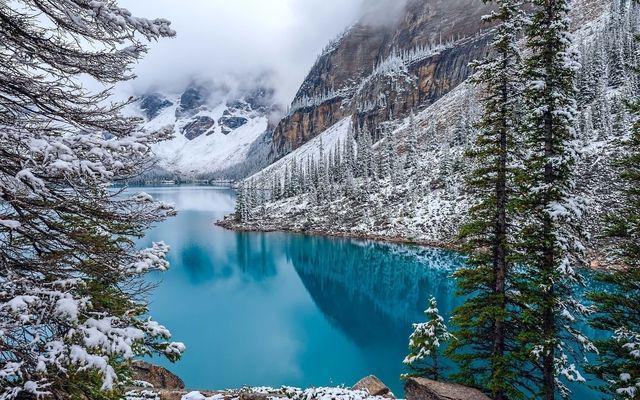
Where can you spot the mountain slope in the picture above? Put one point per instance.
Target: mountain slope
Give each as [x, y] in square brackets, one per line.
[428, 202]
[216, 127]
[428, 50]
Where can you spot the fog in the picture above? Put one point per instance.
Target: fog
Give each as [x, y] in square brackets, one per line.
[218, 39]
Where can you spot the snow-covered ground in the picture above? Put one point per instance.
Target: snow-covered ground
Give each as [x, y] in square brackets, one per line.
[211, 151]
[429, 202]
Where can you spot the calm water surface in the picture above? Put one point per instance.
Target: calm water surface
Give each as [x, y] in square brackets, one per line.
[278, 309]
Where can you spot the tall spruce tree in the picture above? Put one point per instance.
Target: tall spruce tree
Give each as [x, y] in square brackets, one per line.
[486, 332]
[549, 247]
[412, 144]
[617, 306]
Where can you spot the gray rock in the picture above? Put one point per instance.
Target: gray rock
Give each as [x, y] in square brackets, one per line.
[261, 98]
[192, 99]
[152, 104]
[232, 122]
[197, 127]
[237, 105]
[159, 377]
[373, 386]
[426, 389]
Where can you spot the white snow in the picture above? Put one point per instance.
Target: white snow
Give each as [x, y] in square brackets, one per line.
[329, 138]
[210, 152]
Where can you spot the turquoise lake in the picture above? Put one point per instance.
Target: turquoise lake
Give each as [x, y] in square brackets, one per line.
[273, 309]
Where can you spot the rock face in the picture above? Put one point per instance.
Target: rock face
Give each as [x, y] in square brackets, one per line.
[152, 104]
[231, 123]
[378, 73]
[159, 377]
[197, 127]
[221, 128]
[426, 389]
[192, 98]
[373, 386]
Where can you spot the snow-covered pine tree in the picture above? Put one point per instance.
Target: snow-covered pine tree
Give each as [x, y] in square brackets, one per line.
[240, 204]
[384, 166]
[70, 316]
[424, 345]
[349, 153]
[617, 306]
[276, 188]
[337, 162]
[549, 248]
[412, 144]
[323, 178]
[485, 334]
[288, 187]
[615, 45]
[363, 144]
[294, 177]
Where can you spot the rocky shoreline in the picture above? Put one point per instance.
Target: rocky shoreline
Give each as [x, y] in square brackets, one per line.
[596, 259]
[151, 382]
[231, 224]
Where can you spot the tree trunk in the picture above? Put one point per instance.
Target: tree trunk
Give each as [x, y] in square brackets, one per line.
[500, 245]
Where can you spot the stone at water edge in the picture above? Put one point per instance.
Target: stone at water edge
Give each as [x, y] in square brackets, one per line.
[373, 386]
[426, 389]
[159, 377]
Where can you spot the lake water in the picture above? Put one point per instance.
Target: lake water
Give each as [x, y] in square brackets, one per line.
[273, 309]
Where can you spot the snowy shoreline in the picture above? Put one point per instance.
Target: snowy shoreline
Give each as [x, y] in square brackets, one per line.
[229, 223]
[595, 259]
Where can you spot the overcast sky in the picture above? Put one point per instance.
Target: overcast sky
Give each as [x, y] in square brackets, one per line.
[240, 36]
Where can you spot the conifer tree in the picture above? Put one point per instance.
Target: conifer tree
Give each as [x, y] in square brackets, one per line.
[349, 153]
[486, 320]
[549, 247]
[72, 314]
[617, 306]
[240, 199]
[424, 345]
[412, 144]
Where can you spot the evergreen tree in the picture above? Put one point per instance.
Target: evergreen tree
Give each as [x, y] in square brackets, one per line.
[349, 153]
[72, 314]
[618, 309]
[549, 249]
[486, 320]
[412, 144]
[295, 190]
[386, 157]
[240, 204]
[288, 187]
[424, 345]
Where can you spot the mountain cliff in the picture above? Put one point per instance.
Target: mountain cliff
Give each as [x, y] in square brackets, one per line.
[379, 71]
[404, 178]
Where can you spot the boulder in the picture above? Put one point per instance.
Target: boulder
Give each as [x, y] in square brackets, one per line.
[159, 377]
[426, 389]
[254, 396]
[373, 386]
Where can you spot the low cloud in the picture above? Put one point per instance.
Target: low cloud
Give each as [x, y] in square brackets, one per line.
[240, 38]
[382, 12]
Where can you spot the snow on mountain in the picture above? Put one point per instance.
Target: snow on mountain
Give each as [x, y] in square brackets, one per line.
[309, 151]
[214, 126]
[427, 201]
